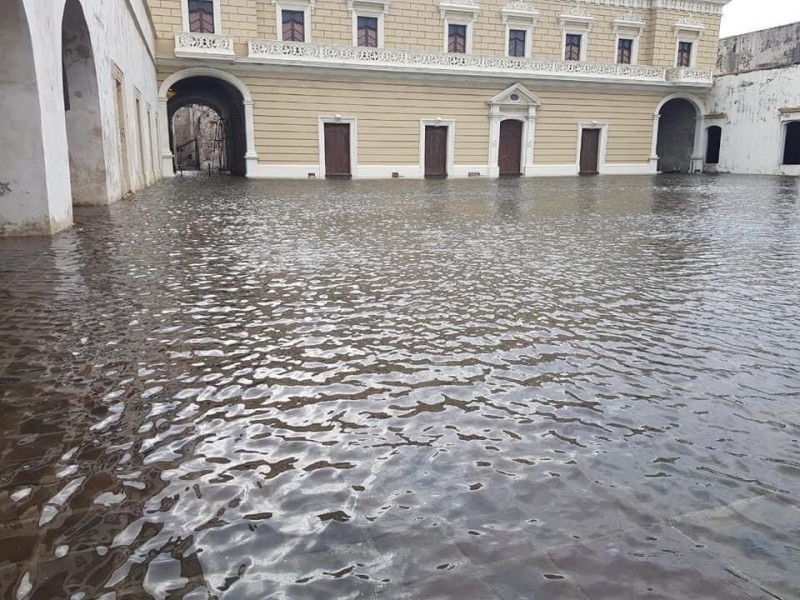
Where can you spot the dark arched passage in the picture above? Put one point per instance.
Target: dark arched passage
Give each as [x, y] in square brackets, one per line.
[199, 138]
[227, 102]
[87, 163]
[676, 136]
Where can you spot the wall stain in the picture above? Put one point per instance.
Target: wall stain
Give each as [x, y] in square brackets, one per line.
[5, 188]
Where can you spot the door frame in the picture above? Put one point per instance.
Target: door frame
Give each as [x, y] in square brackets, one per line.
[526, 144]
[451, 143]
[339, 120]
[601, 145]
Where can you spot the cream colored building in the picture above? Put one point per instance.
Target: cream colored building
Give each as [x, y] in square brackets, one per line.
[384, 88]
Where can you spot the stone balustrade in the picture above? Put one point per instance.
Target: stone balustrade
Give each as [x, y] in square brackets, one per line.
[205, 45]
[385, 59]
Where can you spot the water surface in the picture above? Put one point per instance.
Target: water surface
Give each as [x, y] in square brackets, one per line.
[572, 389]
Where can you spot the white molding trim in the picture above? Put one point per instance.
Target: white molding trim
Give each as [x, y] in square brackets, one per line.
[469, 23]
[528, 29]
[406, 171]
[584, 33]
[451, 143]
[390, 60]
[634, 47]
[375, 14]
[602, 144]
[502, 108]
[460, 7]
[339, 120]
[304, 6]
[251, 157]
[217, 16]
[698, 155]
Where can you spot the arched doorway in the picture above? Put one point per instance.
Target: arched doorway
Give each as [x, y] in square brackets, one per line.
[199, 138]
[23, 180]
[713, 143]
[87, 163]
[509, 158]
[223, 93]
[677, 136]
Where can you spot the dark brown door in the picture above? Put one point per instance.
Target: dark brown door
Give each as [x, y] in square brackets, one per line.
[590, 150]
[435, 152]
[337, 151]
[510, 157]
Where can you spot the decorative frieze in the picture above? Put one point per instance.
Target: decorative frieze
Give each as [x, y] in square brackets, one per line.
[629, 20]
[520, 11]
[711, 7]
[208, 45]
[386, 59]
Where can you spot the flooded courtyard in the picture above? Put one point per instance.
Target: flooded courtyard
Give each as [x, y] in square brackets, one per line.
[520, 389]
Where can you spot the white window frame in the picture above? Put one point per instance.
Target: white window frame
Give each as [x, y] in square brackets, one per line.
[528, 29]
[217, 17]
[457, 21]
[603, 145]
[373, 15]
[693, 56]
[339, 120]
[584, 33]
[576, 24]
[451, 143]
[293, 6]
[634, 47]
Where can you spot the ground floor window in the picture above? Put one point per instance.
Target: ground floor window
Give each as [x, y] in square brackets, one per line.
[791, 146]
[712, 149]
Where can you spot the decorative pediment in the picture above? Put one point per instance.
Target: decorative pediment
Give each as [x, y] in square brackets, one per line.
[520, 12]
[577, 17]
[689, 24]
[517, 95]
[629, 20]
[375, 6]
[459, 8]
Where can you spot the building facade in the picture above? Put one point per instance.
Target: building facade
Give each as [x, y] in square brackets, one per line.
[78, 97]
[753, 125]
[442, 88]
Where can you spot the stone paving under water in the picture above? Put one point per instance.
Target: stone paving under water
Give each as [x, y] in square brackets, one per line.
[542, 389]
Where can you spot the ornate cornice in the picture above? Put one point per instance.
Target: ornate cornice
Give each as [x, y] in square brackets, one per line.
[711, 7]
[294, 54]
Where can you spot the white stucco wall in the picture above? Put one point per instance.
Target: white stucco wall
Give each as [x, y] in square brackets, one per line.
[753, 124]
[35, 193]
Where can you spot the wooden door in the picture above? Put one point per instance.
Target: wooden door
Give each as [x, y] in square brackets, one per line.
[337, 151]
[590, 151]
[436, 152]
[510, 152]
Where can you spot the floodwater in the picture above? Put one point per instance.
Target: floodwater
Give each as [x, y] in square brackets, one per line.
[541, 389]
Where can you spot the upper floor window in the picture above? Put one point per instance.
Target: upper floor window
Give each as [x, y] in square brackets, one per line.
[368, 28]
[201, 16]
[685, 54]
[572, 46]
[624, 51]
[294, 25]
[517, 42]
[457, 38]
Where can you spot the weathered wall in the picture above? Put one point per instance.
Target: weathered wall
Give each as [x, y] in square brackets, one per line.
[195, 132]
[122, 40]
[753, 109]
[776, 47]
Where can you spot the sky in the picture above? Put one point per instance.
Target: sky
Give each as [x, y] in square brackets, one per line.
[743, 16]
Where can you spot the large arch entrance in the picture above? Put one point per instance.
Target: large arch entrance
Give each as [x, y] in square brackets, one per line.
[678, 123]
[87, 165]
[228, 97]
[23, 180]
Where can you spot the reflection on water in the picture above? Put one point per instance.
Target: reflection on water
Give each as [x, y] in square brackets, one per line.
[578, 388]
